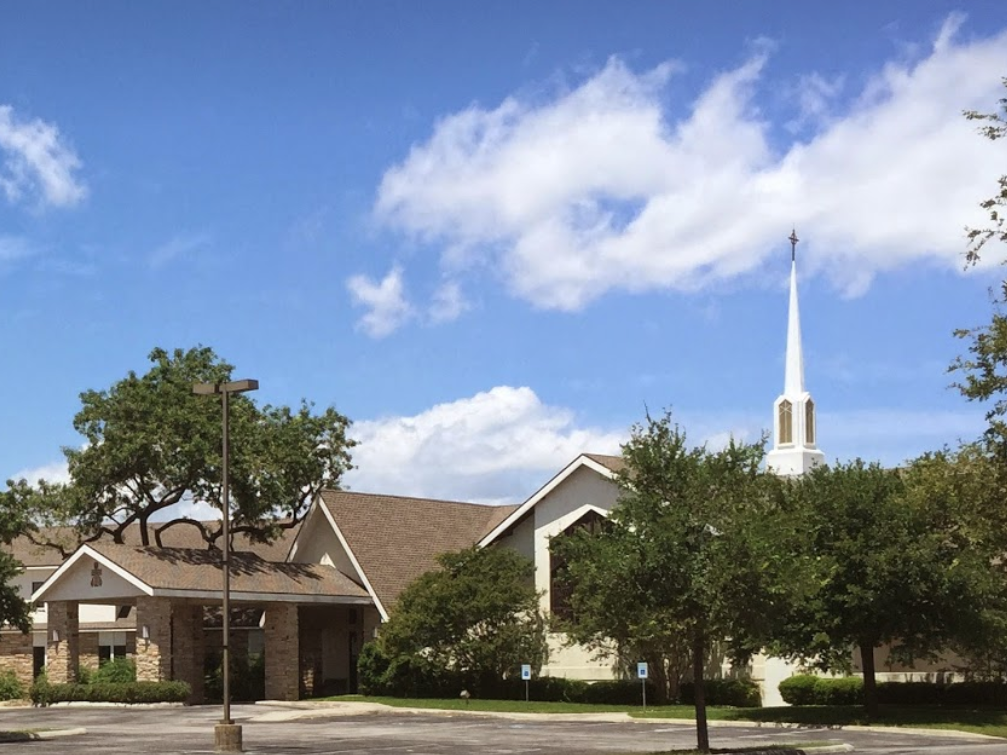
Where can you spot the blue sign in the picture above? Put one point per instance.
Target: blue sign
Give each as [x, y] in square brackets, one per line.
[641, 671]
[525, 671]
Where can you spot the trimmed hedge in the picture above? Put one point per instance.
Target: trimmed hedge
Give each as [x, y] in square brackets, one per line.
[43, 693]
[804, 689]
[799, 689]
[737, 693]
[416, 677]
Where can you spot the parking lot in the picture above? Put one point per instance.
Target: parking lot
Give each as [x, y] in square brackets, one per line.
[268, 729]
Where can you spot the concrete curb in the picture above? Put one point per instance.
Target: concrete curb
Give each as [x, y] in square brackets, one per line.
[35, 736]
[310, 709]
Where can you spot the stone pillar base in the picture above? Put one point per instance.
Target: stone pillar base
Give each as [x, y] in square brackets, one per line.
[227, 738]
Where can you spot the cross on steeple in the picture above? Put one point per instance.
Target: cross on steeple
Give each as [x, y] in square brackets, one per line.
[793, 244]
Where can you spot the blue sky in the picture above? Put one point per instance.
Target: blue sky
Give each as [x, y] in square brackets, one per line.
[493, 233]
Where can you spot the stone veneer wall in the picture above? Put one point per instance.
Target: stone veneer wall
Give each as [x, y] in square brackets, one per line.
[153, 655]
[17, 654]
[62, 657]
[282, 651]
[87, 646]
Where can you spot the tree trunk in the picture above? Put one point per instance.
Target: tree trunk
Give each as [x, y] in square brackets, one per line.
[699, 693]
[870, 682]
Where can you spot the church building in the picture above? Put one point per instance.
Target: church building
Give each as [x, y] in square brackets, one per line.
[311, 599]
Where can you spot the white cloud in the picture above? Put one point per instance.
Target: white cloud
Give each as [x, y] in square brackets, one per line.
[54, 471]
[608, 187]
[448, 303]
[176, 247]
[37, 162]
[496, 446]
[385, 299]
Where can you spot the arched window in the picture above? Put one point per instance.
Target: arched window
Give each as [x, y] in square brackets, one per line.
[809, 423]
[559, 589]
[786, 422]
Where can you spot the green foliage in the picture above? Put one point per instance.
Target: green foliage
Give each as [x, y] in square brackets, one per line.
[248, 678]
[40, 691]
[115, 671]
[151, 444]
[995, 127]
[11, 687]
[737, 693]
[799, 689]
[983, 373]
[43, 693]
[698, 554]
[891, 563]
[806, 689]
[476, 617]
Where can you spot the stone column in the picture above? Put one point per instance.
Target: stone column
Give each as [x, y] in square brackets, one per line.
[62, 655]
[188, 647]
[282, 652]
[16, 653]
[153, 652]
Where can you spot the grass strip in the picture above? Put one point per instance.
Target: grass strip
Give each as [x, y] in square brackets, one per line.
[989, 721]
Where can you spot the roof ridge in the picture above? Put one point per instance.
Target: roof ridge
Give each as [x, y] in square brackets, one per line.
[417, 498]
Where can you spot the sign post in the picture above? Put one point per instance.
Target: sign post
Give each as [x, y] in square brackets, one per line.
[526, 675]
[641, 672]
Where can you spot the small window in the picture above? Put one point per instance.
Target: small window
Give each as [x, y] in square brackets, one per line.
[786, 422]
[809, 423]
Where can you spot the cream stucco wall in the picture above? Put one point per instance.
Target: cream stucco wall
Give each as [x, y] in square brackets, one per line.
[317, 544]
[583, 491]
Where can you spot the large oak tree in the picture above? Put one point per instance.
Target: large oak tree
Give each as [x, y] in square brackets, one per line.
[150, 445]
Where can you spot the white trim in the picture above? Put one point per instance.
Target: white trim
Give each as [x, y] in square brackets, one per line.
[89, 552]
[353, 560]
[581, 461]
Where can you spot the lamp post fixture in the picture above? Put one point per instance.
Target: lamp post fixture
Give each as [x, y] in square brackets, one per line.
[226, 734]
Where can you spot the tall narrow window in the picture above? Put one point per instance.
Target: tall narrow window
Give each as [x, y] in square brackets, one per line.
[559, 589]
[809, 423]
[786, 422]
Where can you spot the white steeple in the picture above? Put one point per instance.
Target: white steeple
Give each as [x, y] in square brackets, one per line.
[794, 422]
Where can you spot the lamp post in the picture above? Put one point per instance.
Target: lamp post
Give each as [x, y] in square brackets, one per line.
[226, 734]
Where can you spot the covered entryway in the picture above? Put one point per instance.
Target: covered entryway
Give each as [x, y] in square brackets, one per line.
[307, 612]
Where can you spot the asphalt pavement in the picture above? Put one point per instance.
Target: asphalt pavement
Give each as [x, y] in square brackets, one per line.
[344, 729]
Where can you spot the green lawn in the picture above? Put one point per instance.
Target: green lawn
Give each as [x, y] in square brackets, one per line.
[978, 720]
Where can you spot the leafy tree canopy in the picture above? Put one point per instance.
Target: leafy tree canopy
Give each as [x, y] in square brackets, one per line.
[899, 557]
[983, 371]
[14, 610]
[151, 444]
[478, 614]
[696, 555]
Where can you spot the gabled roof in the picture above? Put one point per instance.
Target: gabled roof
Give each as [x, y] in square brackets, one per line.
[190, 572]
[394, 539]
[178, 536]
[606, 466]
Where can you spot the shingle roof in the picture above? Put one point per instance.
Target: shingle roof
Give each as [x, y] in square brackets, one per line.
[197, 570]
[395, 538]
[613, 463]
[178, 536]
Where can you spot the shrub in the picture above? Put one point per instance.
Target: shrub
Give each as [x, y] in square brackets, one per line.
[846, 690]
[248, 678]
[618, 692]
[739, 693]
[115, 671]
[43, 693]
[799, 689]
[11, 687]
